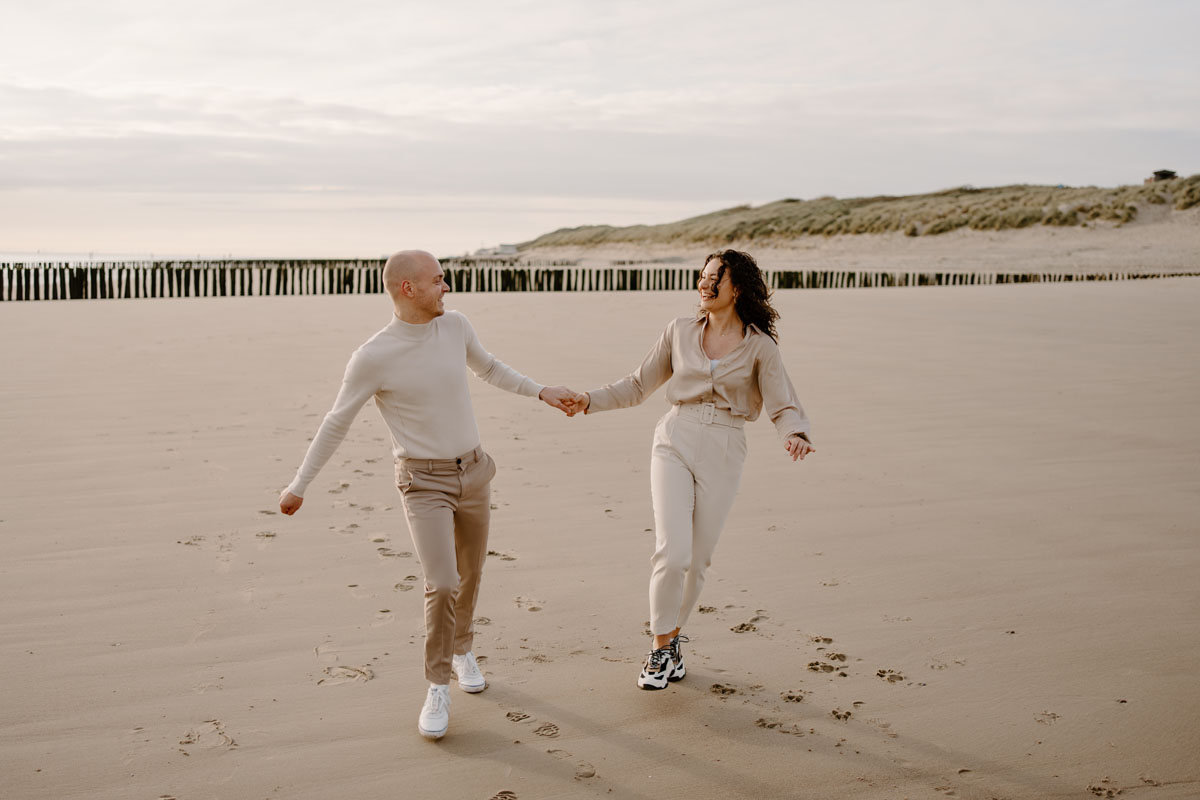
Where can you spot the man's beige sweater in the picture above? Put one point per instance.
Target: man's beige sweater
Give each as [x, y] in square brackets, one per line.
[418, 377]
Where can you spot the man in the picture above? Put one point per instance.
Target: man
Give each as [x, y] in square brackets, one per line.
[415, 368]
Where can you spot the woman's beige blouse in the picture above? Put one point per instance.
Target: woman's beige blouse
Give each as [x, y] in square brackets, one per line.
[749, 378]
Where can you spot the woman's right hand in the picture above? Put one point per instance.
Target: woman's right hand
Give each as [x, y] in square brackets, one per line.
[582, 401]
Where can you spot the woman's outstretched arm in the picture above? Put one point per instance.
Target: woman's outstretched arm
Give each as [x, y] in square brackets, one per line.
[635, 387]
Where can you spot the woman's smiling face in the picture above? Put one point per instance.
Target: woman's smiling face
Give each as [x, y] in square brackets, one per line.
[716, 289]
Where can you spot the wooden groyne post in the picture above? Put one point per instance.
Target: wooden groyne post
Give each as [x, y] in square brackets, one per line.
[232, 278]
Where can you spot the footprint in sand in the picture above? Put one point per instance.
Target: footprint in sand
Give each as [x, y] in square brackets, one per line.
[1105, 788]
[528, 604]
[210, 735]
[403, 587]
[794, 696]
[891, 676]
[504, 794]
[837, 713]
[707, 610]
[776, 725]
[547, 729]
[341, 487]
[938, 664]
[583, 769]
[744, 627]
[517, 716]
[502, 556]
[387, 552]
[383, 616]
[821, 640]
[342, 674]
[722, 689]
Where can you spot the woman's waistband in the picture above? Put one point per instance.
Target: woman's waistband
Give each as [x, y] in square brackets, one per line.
[709, 414]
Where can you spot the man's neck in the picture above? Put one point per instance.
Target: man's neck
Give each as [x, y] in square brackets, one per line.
[413, 316]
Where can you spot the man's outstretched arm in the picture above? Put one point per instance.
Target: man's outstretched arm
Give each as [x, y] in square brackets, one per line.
[358, 386]
[491, 369]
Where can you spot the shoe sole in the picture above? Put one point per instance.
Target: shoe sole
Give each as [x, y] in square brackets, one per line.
[433, 734]
[651, 685]
[472, 689]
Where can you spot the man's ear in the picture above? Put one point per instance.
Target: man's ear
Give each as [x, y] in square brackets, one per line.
[406, 288]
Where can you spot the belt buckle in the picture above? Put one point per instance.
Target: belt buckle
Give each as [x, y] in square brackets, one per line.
[708, 413]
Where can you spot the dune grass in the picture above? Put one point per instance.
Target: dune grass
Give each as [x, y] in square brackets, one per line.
[999, 208]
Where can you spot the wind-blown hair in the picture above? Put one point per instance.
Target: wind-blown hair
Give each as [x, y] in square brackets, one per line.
[753, 301]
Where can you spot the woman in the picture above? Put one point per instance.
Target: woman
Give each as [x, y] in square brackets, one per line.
[724, 368]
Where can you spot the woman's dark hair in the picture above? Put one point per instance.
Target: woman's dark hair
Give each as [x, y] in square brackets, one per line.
[753, 301]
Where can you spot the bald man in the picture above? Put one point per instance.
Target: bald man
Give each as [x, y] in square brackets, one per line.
[415, 368]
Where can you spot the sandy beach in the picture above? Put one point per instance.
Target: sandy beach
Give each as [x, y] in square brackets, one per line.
[983, 584]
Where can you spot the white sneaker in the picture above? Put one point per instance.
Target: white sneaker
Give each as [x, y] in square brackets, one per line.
[470, 679]
[435, 714]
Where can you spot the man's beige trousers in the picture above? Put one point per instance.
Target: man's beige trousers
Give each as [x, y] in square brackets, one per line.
[447, 502]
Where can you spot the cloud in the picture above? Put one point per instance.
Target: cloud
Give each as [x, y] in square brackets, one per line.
[679, 103]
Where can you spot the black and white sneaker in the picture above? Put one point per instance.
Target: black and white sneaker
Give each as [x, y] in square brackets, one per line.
[677, 669]
[657, 670]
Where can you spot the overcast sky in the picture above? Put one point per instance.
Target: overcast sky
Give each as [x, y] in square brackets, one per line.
[297, 128]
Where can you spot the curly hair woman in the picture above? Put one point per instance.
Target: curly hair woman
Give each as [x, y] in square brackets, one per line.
[723, 368]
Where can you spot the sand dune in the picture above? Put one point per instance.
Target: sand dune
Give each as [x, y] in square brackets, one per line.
[983, 585]
[1159, 241]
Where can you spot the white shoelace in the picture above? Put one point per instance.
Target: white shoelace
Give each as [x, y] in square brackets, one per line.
[470, 668]
[437, 699]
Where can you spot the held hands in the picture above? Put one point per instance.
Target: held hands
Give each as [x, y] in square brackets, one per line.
[565, 400]
[560, 397]
[798, 447]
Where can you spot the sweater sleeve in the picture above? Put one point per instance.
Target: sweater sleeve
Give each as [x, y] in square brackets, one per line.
[635, 387]
[779, 396]
[358, 386]
[494, 371]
